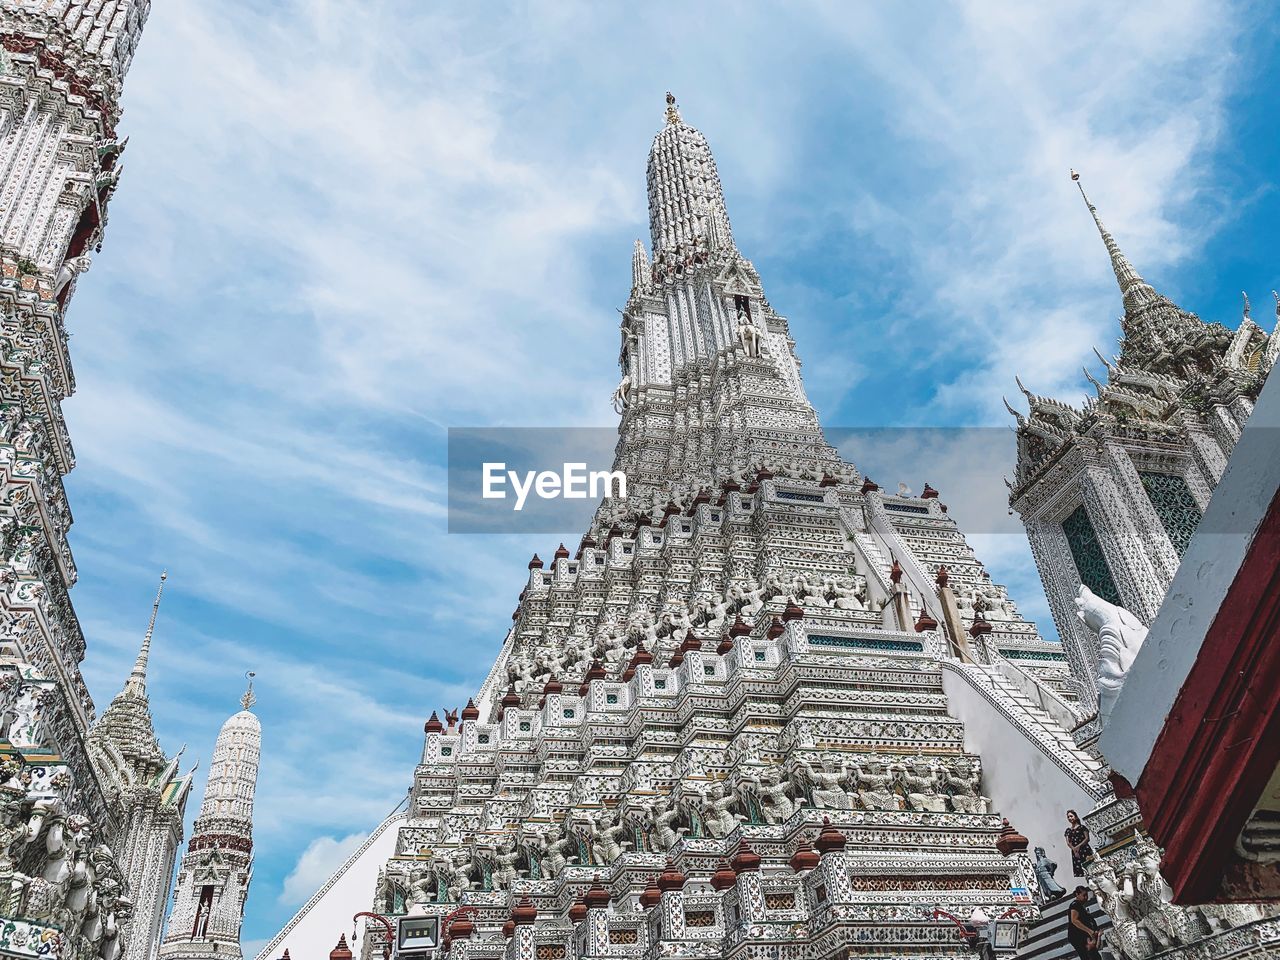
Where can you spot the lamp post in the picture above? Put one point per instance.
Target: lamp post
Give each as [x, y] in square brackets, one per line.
[391, 932]
[447, 923]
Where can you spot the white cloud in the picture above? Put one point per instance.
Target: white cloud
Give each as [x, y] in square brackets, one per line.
[319, 860]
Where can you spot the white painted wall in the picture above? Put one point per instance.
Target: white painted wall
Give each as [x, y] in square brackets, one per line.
[313, 931]
[1024, 785]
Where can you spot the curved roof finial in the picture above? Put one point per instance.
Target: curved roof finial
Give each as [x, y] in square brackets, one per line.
[1246, 304]
[1105, 362]
[248, 700]
[673, 112]
[138, 676]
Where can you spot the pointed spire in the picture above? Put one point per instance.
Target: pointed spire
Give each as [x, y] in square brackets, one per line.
[1272, 350]
[249, 699]
[1132, 287]
[639, 266]
[1246, 305]
[718, 232]
[138, 676]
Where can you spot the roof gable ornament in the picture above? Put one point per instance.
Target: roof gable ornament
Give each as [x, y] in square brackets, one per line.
[737, 281]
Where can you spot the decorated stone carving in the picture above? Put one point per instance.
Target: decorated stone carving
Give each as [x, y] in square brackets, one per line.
[748, 336]
[826, 783]
[663, 832]
[1120, 636]
[621, 398]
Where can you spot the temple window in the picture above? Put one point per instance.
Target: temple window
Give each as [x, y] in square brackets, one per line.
[1086, 551]
[1174, 505]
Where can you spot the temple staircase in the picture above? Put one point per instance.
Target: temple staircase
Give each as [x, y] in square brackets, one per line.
[1007, 688]
[1047, 937]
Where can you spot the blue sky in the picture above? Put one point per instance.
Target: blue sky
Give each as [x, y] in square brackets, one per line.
[343, 228]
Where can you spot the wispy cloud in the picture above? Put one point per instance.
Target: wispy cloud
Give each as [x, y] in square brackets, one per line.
[342, 230]
[322, 856]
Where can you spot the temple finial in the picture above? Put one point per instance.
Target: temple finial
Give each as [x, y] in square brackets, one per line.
[138, 676]
[673, 112]
[1129, 279]
[1246, 304]
[639, 266]
[248, 700]
[1105, 362]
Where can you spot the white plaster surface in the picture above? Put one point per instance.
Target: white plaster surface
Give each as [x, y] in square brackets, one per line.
[1024, 785]
[314, 929]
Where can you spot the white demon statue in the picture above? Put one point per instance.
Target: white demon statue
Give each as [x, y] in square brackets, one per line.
[1120, 635]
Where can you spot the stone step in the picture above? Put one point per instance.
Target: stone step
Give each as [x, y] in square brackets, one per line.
[1047, 938]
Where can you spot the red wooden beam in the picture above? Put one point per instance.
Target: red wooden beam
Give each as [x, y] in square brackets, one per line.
[1221, 741]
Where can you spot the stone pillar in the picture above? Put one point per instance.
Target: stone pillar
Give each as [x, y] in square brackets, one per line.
[521, 945]
[828, 885]
[748, 891]
[901, 601]
[952, 624]
[670, 906]
[593, 937]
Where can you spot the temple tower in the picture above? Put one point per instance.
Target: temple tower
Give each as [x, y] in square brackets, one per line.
[151, 800]
[1111, 491]
[61, 70]
[62, 66]
[213, 880]
[741, 678]
[710, 377]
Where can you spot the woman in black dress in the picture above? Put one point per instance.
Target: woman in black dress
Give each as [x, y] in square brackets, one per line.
[1077, 835]
[1082, 930]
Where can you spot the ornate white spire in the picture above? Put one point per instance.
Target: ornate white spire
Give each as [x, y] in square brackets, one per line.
[685, 195]
[138, 677]
[1134, 289]
[213, 880]
[639, 266]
